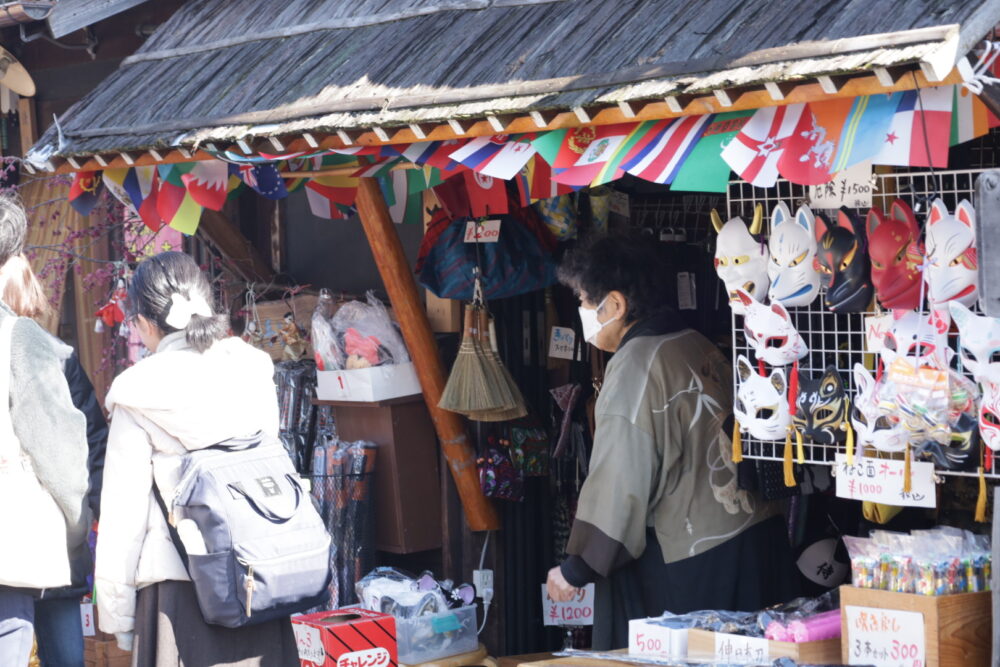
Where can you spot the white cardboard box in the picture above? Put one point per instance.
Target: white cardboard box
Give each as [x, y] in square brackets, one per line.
[645, 637]
[368, 385]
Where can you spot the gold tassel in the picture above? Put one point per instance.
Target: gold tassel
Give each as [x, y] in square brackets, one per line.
[800, 450]
[789, 471]
[737, 443]
[981, 501]
[907, 482]
[850, 444]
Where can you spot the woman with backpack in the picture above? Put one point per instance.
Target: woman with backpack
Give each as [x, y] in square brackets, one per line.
[200, 386]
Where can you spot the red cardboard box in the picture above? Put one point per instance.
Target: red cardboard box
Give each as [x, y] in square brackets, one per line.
[351, 637]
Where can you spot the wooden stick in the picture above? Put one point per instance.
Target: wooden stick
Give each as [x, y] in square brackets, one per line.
[342, 171]
[416, 328]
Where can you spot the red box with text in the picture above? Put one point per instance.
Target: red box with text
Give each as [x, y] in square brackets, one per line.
[352, 637]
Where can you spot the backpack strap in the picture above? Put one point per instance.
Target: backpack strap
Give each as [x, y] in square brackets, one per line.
[174, 535]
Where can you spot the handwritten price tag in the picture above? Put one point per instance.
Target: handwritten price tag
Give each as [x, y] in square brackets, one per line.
[881, 481]
[87, 619]
[876, 327]
[852, 188]
[487, 231]
[373, 657]
[739, 649]
[646, 638]
[309, 641]
[562, 343]
[885, 637]
[579, 611]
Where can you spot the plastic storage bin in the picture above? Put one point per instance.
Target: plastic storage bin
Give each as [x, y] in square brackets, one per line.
[442, 635]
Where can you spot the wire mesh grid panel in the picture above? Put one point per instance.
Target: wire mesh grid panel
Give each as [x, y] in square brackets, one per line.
[838, 339]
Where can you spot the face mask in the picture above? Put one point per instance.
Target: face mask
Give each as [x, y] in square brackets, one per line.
[845, 270]
[591, 325]
[953, 266]
[822, 408]
[873, 427]
[761, 403]
[919, 337]
[740, 260]
[979, 343]
[769, 330]
[792, 269]
[896, 256]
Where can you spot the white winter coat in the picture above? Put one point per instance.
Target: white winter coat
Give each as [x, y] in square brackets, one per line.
[174, 401]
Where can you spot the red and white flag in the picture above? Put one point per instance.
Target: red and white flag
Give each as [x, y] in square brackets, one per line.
[208, 183]
[754, 153]
[920, 123]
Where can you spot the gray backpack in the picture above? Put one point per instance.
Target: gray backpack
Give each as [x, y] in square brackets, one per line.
[266, 552]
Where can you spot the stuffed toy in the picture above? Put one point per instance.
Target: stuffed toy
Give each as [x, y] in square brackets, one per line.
[792, 269]
[740, 260]
[896, 255]
[953, 265]
[844, 266]
[761, 402]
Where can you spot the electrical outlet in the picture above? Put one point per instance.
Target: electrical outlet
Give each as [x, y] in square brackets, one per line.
[482, 580]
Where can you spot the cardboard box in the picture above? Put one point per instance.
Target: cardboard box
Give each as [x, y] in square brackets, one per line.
[351, 637]
[103, 653]
[368, 385]
[705, 644]
[956, 628]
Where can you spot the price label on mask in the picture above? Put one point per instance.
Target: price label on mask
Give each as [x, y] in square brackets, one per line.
[578, 611]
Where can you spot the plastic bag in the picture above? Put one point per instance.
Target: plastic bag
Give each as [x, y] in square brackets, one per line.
[361, 334]
[392, 591]
[328, 354]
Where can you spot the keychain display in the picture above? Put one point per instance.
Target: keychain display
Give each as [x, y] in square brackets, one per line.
[896, 256]
[741, 260]
[844, 265]
[953, 264]
[761, 402]
[770, 332]
[883, 432]
[822, 408]
[792, 246]
[979, 343]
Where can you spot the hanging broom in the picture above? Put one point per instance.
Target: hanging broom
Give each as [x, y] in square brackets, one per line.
[517, 407]
[469, 387]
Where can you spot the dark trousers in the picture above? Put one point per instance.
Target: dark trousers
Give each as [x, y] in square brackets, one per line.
[59, 631]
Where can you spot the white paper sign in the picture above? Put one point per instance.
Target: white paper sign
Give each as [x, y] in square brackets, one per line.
[310, 643]
[648, 638]
[579, 611]
[852, 188]
[87, 619]
[885, 637]
[372, 657]
[487, 231]
[561, 343]
[881, 481]
[619, 203]
[876, 326]
[736, 649]
[687, 295]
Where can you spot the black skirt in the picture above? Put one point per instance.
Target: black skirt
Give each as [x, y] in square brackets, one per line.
[170, 632]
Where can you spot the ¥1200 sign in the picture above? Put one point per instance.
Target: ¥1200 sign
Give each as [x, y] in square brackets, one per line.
[578, 611]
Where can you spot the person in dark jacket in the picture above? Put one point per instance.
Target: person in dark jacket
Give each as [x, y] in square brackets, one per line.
[57, 612]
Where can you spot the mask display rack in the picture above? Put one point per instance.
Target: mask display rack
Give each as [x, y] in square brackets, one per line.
[838, 339]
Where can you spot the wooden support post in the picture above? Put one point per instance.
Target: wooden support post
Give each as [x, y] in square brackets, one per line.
[26, 119]
[402, 288]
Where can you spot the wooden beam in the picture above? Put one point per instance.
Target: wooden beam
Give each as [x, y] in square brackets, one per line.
[832, 83]
[725, 97]
[627, 109]
[277, 144]
[395, 270]
[542, 118]
[27, 121]
[888, 76]
[679, 102]
[381, 133]
[247, 261]
[779, 90]
[458, 126]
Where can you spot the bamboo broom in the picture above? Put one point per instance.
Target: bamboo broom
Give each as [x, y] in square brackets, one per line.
[469, 387]
[516, 408]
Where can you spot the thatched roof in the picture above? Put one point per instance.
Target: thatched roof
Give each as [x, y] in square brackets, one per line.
[225, 70]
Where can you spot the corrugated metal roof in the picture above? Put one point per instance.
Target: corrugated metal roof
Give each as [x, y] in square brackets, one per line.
[216, 70]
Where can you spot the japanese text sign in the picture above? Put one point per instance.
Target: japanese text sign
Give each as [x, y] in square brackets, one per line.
[578, 611]
[562, 343]
[373, 657]
[881, 481]
[487, 231]
[309, 641]
[852, 187]
[885, 637]
[737, 649]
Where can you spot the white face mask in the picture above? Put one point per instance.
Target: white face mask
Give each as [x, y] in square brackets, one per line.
[591, 325]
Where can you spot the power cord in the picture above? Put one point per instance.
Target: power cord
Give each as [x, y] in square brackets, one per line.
[486, 593]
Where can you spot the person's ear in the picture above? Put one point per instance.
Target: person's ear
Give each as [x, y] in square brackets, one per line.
[620, 305]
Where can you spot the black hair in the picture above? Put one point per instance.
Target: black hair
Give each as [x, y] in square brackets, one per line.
[153, 285]
[13, 227]
[604, 264]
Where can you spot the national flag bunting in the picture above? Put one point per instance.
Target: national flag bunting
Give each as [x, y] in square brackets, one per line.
[404, 207]
[85, 191]
[487, 195]
[612, 169]
[174, 204]
[114, 180]
[969, 116]
[583, 154]
[921, 122]
[754, 153]
[534, 182]
[660, 155]
[208, 183]
[264, 178]
[330, 197]
[704, 170]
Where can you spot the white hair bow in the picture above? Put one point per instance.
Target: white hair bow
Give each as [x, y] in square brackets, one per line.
[183, 308]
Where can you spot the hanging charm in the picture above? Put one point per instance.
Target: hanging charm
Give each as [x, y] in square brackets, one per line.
[788, 470]
[737, 442]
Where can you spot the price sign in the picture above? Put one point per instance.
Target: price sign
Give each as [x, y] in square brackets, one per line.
[646, 638]
[562, 343]
[619, 203]
[373, 657]
[876, 327]
[885, 637]
[578, 611]
[881, 481]
[852, 188]
[87, 619]
[309, 641]
[735, 649]
[487, 231]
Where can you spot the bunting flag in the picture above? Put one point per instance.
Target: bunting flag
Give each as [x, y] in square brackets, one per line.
[834, 135]
[174, 204]
[380, 167]
[969, 116]
[85, 191]
[534, 182]
[579, 160]
[142, 185]
[208, 183]
[754, 152]
[487, 195]
[659, 156]
[436, 154]
[498, 156]
[921, 122]
[265, 179]
[114, 181]
[330, 197]
[704, 170]
[404, 207]
[612, 169]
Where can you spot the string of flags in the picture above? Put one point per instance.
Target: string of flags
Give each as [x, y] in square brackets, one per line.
[805, 143]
